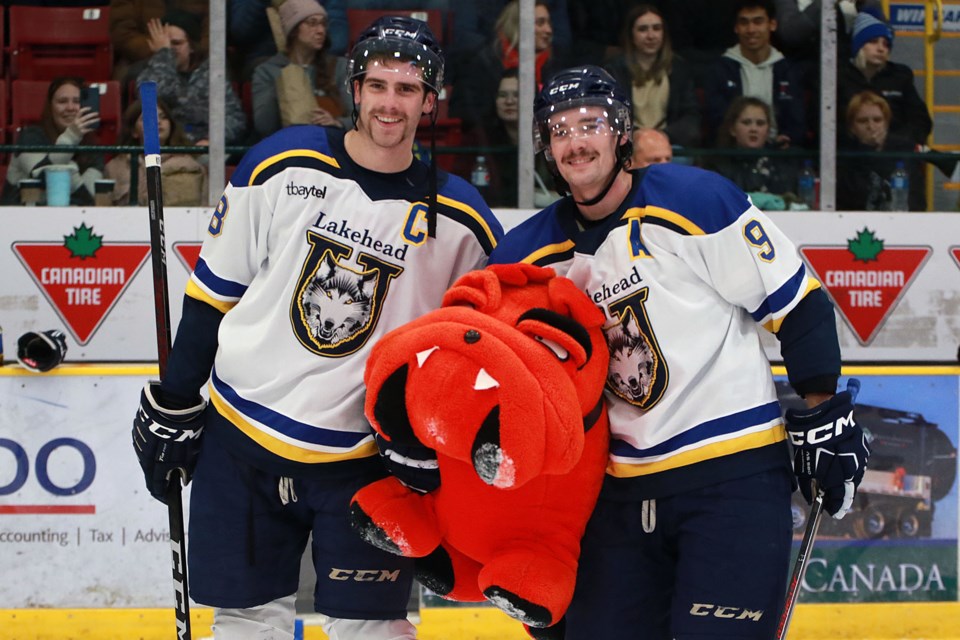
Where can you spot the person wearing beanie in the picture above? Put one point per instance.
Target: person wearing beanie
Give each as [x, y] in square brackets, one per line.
[303, 83]
[182, 74]
[867, 27]
[869, 69]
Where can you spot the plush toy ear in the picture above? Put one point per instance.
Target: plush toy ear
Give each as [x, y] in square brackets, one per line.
[569, 300]
[478, 289]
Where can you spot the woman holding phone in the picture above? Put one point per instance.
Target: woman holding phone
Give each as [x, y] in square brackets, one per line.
[64, 122]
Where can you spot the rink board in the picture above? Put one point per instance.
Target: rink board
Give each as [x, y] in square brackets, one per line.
[895, 278]
[89, 550]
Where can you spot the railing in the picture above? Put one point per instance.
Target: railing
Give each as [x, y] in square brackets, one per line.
[692, 153]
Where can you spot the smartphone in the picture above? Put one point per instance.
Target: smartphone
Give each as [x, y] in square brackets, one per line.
[90, 97]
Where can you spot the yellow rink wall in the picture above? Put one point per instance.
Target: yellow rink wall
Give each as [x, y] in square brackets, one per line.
[914, 621]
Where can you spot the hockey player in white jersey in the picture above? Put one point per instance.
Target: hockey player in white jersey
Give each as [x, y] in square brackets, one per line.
[691, 535]
[322, 242]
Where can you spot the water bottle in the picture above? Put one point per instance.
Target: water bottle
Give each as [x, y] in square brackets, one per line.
[480, 175]
[899, 189]
[807, 185]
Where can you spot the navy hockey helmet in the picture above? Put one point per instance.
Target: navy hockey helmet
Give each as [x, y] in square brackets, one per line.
[400, 38]
[575, 88]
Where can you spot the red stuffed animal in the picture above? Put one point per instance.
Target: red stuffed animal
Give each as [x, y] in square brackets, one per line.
[505, 384]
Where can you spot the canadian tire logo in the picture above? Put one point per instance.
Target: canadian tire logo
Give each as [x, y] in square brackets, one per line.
[82, 277]
[188, 253]
[866, 278]
[955, 252]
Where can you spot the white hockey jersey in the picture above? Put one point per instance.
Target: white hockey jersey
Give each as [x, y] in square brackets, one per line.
[314, 258]
[685, 270]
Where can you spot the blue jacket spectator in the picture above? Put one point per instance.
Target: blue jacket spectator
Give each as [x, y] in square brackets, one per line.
[755, 68]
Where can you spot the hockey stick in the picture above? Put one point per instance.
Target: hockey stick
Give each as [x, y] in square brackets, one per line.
[806, 546]
[158, 251]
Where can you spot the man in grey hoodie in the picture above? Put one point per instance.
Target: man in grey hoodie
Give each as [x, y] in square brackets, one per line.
[754, 67]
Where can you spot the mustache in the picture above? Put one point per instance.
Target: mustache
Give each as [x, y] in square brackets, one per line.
[586, 155]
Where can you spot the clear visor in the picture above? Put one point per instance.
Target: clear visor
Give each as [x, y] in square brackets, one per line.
[568, 121]
[583, 122]
[421, 63]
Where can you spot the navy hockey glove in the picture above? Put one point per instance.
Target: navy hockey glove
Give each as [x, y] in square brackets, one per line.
[413, 464]
[830, 448]
[167, 441]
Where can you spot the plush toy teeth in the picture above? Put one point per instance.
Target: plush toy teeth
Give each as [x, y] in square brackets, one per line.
[423, 355]
[485, 381]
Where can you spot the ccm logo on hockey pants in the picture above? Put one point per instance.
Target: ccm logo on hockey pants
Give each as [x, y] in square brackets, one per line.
[717, 611]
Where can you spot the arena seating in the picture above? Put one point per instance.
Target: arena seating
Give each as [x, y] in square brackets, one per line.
[47, 42]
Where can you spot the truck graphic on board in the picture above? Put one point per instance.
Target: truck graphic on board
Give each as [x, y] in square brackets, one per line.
[912, 466]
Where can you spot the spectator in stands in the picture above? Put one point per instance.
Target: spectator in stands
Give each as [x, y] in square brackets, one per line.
[478, 73]
[304, 84]
[504, 130]
[661, 84]
[184, 178]
[869, 68]
[251, 35]
[130, 35]
[182, 74]
[863, 181]
[63, 122]
[650, 146]
[474, 25]
[754, 67]
[746, 126]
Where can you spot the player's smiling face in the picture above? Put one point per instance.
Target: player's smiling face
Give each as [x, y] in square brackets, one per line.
[584, 147]
[391, 98]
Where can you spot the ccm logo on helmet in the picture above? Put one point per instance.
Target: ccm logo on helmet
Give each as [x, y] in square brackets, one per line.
[824, 432]
[564, 87]
[733, 613]
[403, 33]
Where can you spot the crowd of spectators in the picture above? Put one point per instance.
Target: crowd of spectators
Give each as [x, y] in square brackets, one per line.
[732, 74]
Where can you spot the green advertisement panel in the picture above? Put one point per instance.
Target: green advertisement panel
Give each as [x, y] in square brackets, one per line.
[881, 571]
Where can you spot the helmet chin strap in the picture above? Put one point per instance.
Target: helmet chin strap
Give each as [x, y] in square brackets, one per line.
[600, 196]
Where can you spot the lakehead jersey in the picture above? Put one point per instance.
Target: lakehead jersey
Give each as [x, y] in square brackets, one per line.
[684, 276]
[313, 258]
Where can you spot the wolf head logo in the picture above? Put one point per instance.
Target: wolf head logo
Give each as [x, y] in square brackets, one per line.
[337, 301]
[633, 363]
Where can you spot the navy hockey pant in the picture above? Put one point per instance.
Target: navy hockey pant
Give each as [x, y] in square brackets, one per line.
[710, 563]
[245, 544]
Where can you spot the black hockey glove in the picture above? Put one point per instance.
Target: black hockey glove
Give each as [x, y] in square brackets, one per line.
[413, 464]
[830, 448]
[41, 351]
[167, 441]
